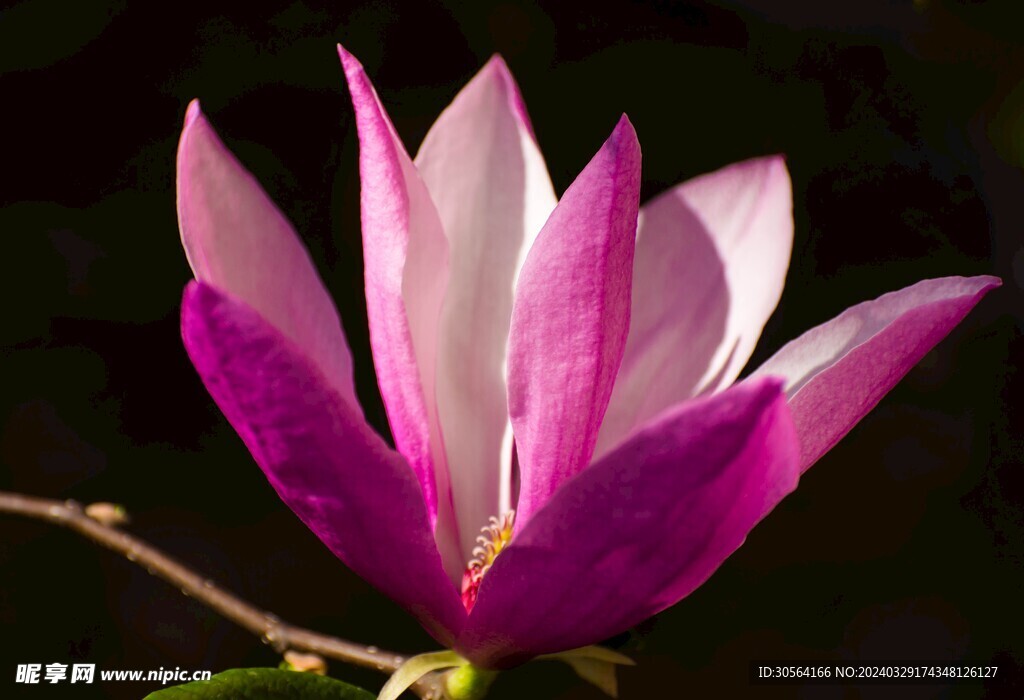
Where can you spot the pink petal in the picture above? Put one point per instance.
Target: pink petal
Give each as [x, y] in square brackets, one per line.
[570, 318]
[237, 240]
[711, 259]
[638, 530]
[488, 179]
[406, 258]
[837, 372]
[339, 477]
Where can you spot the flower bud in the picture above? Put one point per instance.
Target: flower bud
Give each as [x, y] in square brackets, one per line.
[110, 514]
[308, 663]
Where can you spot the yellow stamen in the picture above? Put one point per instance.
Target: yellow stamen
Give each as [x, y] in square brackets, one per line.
[493, 538]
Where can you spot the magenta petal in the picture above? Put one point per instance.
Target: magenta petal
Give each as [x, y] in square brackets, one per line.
[639, 529]
[358, 496]
[406, 259]
[570, 318]
[837, 372]
[236, 239]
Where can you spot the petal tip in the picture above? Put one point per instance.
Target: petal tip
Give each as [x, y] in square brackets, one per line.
[499, 71]
[777, 162]
[762, 168]
[624, 124]
[623, 133]
[624, 141]
[778, 165]
[192, 112]
[349, 63]
[977, 286]
[771, 168]
[497, 63]
[989, 282]
[197, 133]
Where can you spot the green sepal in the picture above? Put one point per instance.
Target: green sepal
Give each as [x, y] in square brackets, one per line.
[594, 664]
[263, 684]
[468, 682]
[415, 668]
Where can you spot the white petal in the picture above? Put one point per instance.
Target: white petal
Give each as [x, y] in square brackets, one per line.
[488, 180]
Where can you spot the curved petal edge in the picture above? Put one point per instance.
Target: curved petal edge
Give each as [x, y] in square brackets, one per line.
[237, 239]
[639, 529]
[356, 494]
[837, 372]
[488, 180]
[711, 259]
[405, 256]
[570, 318]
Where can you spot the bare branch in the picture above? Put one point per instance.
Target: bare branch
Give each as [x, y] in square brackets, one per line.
[281, 635]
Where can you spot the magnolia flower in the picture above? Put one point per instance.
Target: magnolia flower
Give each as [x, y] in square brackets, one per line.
[570, 360]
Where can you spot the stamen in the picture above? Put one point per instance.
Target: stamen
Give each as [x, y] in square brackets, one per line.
[493, 538]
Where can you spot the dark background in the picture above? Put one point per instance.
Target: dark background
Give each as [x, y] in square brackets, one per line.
[903, 124]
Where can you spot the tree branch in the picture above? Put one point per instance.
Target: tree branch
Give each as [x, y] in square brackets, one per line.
[271, 629]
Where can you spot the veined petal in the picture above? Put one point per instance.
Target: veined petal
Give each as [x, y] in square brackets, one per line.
[711, 259]
[236, 239]
[569, 321]
[837, 372]
[358, 496]
[639, 529]
[487, 177]
[405, 254]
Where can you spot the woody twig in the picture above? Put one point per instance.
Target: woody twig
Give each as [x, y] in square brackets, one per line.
[100, 522]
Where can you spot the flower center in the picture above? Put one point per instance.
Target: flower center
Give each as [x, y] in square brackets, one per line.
[493, 538]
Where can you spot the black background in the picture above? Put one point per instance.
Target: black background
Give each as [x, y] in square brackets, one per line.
[903, 125]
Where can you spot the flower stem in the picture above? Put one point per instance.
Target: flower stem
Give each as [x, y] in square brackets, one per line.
[274, 631]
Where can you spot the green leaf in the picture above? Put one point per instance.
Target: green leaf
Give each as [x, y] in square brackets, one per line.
[263, 684]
